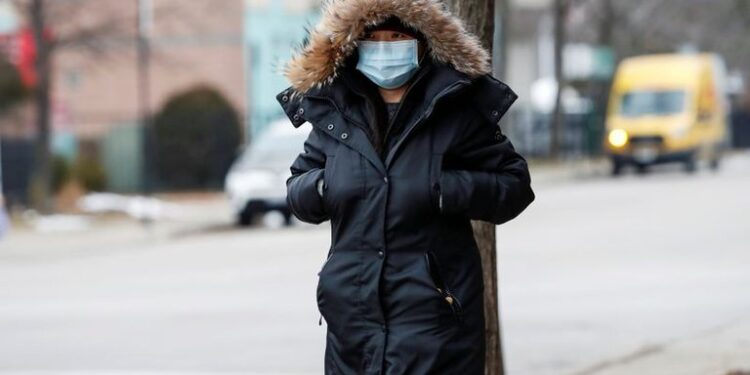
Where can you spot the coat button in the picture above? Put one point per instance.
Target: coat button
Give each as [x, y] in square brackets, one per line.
[301, 111]
[330, 126]
[383, 328]
[344, 136]
[285, 98]
[498, 135]
[381, 253]
[295, 117]
[385, 179]
[495, 113]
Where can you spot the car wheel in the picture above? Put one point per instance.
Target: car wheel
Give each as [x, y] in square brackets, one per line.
[288, 219]
[244, 219]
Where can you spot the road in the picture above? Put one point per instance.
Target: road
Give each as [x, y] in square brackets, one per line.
[635, 275]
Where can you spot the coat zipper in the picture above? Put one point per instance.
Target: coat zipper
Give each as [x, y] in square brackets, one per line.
[453, 87]
[423, 72]
[421, 118]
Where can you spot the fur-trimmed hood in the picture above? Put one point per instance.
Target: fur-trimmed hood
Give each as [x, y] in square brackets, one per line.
[343, 22]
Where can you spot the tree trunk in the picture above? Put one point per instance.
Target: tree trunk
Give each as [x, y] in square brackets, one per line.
[41, 194]
[143, 68]
[479, 17]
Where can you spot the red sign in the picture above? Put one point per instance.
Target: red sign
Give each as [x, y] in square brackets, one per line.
[20, 49]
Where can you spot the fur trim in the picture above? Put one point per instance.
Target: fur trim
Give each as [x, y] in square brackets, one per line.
[344, 21]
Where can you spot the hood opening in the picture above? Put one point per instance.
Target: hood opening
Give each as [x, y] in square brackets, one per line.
[343, 22]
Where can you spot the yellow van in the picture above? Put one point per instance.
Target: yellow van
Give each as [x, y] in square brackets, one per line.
[667, 108]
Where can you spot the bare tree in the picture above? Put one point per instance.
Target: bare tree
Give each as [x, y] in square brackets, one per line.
[654, 26]
[41, 177]
[561, 9]
[479, 16]
[52, 26]
[92, 26]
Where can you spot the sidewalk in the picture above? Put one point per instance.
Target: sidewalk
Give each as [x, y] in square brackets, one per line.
[548, 172]
[718, 351]
[189, 213]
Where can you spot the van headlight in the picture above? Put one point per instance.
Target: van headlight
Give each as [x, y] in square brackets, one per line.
[618, 137]
[681, 131]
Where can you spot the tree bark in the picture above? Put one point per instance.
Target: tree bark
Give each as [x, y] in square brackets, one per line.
[41, 178]
[479, 17]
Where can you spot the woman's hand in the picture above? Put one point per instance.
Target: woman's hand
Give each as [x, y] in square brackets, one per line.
[320, 186]
[303, 194]
[492, 182]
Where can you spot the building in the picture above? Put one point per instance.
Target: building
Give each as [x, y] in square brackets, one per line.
[95, 92]
[273, 28]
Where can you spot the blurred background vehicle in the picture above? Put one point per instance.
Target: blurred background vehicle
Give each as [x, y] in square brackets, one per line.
[668, 108]
[256, 182]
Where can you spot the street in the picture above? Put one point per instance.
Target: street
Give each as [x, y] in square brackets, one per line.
[634, 275]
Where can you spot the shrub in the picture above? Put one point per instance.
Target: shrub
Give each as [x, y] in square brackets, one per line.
[197, 134]
[60, 172]
[12, 89]
[90, 173]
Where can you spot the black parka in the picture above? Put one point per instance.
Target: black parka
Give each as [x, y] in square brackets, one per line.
[401, 290]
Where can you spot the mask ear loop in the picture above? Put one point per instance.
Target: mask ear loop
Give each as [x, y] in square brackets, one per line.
[420, 59]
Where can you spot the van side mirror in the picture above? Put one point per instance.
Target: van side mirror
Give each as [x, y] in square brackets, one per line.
[704, 116]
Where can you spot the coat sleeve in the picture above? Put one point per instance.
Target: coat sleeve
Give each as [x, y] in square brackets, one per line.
[493, 183]
[302, 194]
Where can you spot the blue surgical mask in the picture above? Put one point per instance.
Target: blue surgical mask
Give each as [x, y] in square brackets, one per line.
[388, 64]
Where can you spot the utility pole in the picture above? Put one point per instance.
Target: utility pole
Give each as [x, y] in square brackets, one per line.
[561, 8]
[144, 21]
[41, 189]
[2, 186]
[479, 18]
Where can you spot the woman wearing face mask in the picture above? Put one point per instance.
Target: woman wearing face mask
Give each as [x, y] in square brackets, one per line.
[405, 150]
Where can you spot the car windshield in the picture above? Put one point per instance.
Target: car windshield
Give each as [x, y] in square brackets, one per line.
[274, 152]
[652, 103]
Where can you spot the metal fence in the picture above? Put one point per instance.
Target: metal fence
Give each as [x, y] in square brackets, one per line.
[17, 163]
[530, 132]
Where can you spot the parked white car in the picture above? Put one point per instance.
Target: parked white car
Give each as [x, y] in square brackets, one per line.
[256, 182]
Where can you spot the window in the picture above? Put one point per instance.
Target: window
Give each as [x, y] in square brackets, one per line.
[652, 103]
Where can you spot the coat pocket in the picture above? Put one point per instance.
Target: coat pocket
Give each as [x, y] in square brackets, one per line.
[325, 262]
[442, 289]
[319, 288]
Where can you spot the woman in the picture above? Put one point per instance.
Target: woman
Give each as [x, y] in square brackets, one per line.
[405, 150]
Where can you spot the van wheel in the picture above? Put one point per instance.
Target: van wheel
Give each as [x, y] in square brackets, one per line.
[690, 164]
[715, 163]
[616, 168]
[641, 169]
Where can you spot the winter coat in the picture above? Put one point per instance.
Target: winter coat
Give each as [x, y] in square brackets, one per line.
[401, 290]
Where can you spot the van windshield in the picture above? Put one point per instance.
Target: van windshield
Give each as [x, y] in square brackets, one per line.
[652, 103]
